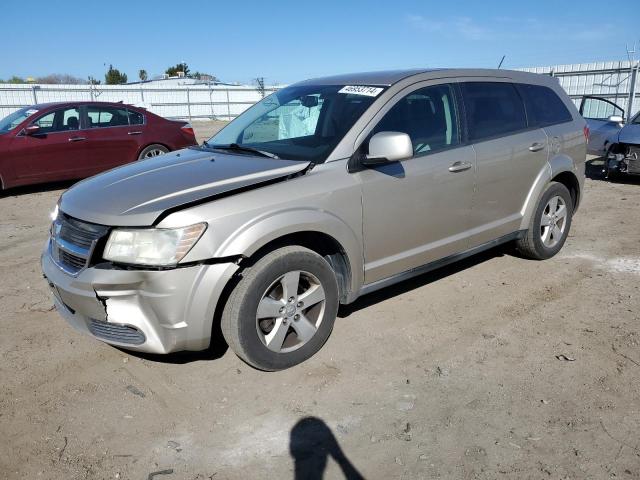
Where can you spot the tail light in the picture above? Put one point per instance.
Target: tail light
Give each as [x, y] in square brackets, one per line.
[586, 132]
[188, 129]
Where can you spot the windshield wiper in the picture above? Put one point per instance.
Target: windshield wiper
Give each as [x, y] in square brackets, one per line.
[242, 148]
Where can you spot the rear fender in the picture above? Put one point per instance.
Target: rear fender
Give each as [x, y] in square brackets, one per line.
[557, 165]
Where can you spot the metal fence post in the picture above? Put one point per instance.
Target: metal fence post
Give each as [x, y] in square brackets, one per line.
[141, 93]
[188, 103]
[35, 96]
[632, 88]
[228, 106]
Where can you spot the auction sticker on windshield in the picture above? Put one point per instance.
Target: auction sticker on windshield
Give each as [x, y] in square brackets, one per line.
[361, 90]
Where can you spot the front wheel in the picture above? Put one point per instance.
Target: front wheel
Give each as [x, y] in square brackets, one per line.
[549, 225]
[282, 310]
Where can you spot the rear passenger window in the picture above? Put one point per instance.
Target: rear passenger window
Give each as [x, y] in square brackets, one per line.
[135, 118]
[100, 117]
[428, 116]
[493, 109]
[543, 105]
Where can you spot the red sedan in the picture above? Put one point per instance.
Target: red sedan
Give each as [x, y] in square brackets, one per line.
[60, 141]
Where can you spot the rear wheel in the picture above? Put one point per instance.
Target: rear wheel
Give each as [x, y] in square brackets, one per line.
[151, 151]
[282, 310]
[549, 225]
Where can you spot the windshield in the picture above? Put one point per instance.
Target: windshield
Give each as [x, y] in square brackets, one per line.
[14, 119]
[298, 123]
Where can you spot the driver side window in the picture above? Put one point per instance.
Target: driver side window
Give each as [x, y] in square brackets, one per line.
[59, 121]
[428, 116]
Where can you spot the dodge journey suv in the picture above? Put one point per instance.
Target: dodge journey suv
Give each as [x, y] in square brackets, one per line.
[322, 192]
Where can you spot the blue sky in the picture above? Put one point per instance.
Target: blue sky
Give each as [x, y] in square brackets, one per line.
[289, 40]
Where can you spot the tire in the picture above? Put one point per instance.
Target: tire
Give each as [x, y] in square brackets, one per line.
[151, 151]
[541, 241]
[284, 332]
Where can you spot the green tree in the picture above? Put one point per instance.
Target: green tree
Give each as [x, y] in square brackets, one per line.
[114, 77]
[180, 67]
[142, 75]
[16, 79]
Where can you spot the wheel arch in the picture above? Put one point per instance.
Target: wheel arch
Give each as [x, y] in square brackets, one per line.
[149, 145]
[560, 169]
[319, 242]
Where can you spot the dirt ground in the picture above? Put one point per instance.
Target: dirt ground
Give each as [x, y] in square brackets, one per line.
[497, 367]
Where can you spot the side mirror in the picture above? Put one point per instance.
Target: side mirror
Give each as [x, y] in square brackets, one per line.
[615, 119]
[32, 130]
[387, 147]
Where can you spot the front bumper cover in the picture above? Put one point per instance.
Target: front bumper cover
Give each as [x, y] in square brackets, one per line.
[172, 309]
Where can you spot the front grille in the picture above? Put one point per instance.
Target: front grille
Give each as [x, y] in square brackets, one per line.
[116, 333]
[71, 260]
[72, 242]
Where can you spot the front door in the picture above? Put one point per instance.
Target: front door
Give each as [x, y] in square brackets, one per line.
[417, 211]
[56, 152]
[602, 131]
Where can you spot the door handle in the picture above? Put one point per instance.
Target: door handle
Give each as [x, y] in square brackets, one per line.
[460, 166]
[77, 139]
[536, 147]
[134, 133]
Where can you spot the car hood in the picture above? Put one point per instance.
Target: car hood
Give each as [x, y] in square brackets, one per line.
[136, 194]
[630, 133]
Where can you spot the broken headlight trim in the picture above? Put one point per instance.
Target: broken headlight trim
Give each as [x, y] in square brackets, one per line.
[152, 246]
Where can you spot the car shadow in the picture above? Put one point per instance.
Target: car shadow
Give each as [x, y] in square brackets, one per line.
[216, 350]
[311, 444]
[594, 170]
[37, 188]
[425, 279]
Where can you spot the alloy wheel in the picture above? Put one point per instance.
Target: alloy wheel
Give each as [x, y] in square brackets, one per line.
[553, 222]
[290, 311]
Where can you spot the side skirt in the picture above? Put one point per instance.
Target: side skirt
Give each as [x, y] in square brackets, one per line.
[414, 272]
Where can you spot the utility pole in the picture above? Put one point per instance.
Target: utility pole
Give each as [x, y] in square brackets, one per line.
[260, 83]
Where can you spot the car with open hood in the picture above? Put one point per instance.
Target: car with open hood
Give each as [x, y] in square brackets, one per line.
[322, 192]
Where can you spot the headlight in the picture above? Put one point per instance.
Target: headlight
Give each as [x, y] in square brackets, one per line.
[152, 246]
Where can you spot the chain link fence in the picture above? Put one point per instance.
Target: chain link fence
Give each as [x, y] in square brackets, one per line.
[615, 81]
[191, 102]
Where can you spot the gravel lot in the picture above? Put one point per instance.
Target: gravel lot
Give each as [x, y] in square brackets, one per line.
[497, 367]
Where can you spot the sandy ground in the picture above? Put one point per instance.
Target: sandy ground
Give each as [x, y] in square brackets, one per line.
[497, 367]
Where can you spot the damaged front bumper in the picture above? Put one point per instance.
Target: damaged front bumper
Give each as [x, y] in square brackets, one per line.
[145, 310]
[624, 159]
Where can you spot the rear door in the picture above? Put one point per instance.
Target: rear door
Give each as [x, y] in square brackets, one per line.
[602, 131]
[509, 154]
[112, 140]
[58, 151]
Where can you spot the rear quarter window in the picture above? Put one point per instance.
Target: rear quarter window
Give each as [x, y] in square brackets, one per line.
[493, 109]
[543, 105]
[135, 118]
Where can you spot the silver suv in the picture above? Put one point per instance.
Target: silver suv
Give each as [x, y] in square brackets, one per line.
[322, 192]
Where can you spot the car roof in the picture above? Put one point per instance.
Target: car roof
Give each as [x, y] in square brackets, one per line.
[388, 78]
[42, 106]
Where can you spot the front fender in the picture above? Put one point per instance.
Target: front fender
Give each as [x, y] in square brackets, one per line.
[252, 236]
